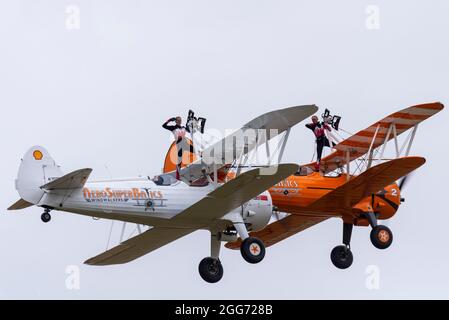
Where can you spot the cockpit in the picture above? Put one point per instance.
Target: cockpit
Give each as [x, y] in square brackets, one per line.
[164, 180]
[307, 171]
[304, 171]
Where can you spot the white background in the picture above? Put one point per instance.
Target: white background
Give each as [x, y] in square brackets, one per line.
[97, 97]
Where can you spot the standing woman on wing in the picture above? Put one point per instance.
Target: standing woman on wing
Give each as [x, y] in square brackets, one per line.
[318, 129]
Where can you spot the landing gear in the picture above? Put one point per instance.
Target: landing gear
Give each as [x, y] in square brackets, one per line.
[46, 217]
[211, 270]
[253, 250]
[341, 256]
[381, 236]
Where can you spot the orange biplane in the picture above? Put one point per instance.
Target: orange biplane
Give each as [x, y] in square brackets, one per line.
[358, 198]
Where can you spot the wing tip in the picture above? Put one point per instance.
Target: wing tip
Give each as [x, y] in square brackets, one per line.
[433, 105]
[416, 159]
[310, 108]
[421, 161]
[95, 262]
[19, 205]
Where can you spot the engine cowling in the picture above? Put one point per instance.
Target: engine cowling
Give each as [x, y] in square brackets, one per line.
[257, 212]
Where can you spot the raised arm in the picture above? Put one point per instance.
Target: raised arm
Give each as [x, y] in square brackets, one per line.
[311, 126]
[167, 126]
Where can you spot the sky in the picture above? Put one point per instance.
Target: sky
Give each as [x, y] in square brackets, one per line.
[93, 80]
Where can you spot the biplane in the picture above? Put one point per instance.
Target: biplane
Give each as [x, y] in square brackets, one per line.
[173, 208]
[361, 197]
[356, 183]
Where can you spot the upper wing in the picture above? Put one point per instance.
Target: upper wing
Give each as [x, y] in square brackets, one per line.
[281, 230]
[74, 180]
[371, 181]
[138, 246]
[21, 204]
[229, 149]
[359, 144]
[200, 215]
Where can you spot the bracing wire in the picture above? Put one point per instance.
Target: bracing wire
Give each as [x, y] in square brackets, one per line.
[347, 132]
[112, 223]
[314, 151]
[110, 235]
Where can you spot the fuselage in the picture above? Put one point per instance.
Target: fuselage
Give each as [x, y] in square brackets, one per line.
[140, 198]
[295, 193]
[143, 201]
[149, 203]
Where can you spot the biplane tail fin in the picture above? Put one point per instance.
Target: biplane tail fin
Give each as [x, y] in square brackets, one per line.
[36, 169]
[188, 158]
[171, 158]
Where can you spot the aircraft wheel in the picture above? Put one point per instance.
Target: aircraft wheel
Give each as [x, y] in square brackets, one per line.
[381, 237]
[46, 217]
[211, 270]
[253, 250]
[341, 257]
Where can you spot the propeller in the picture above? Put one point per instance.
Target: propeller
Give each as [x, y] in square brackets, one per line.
[403, 182]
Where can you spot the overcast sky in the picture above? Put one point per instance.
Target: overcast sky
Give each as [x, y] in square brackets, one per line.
[94, 89]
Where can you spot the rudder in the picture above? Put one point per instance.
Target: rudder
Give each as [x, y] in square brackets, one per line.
[36, 169]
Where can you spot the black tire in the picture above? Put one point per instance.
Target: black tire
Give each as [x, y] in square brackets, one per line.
[211, 270]
[252, 250]
[341, 257]
[381, 237]
[46, 217]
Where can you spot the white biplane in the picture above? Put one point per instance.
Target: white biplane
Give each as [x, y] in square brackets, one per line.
[173, 208]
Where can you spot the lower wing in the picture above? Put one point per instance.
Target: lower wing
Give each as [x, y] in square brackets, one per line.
[337, 201]
[281, 230]
[205, 212]
[138, 246]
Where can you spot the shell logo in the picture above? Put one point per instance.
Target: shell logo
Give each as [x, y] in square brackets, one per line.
[38, 155]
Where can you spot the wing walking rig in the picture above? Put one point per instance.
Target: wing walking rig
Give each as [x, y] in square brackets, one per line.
[370, 144]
